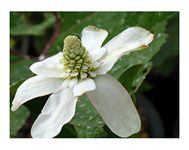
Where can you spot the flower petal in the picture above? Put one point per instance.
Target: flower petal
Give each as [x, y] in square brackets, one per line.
[97, 54]
[83, 86]
[35, 87]
[115, 106]
[50, 67]
[58, 110]
[92, 37]
[131, 39]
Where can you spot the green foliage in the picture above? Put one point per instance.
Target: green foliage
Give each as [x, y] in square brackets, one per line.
[131, 70]
[87, 121]
[145, 55]
[19, 70]
[163, 61]
[134, 76]
[18, 119]
[23, 23]
[113, 22]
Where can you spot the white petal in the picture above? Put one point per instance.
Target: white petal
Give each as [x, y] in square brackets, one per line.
[92, 37]
[66, 83]
[131, 39]
[73, 82]
[115, 106]
[35, 87]
[58, 110]
[84, 86]
[98, 53]
[50, 67]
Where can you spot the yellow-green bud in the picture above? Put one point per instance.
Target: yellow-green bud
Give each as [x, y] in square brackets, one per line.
[72, 42]
[75, 57]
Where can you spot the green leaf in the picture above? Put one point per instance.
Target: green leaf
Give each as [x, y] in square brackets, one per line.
[72, 18]
[18, 119]
[21, 25]
[87, 121]
[19, 70]
[163, 62]
[134, 76]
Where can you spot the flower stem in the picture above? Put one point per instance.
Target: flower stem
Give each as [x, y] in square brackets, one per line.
[54, 35]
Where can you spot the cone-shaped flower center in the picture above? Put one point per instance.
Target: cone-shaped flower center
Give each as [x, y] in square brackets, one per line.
[76, 59]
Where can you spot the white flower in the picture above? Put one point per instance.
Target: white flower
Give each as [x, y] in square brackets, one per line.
[82, 68]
